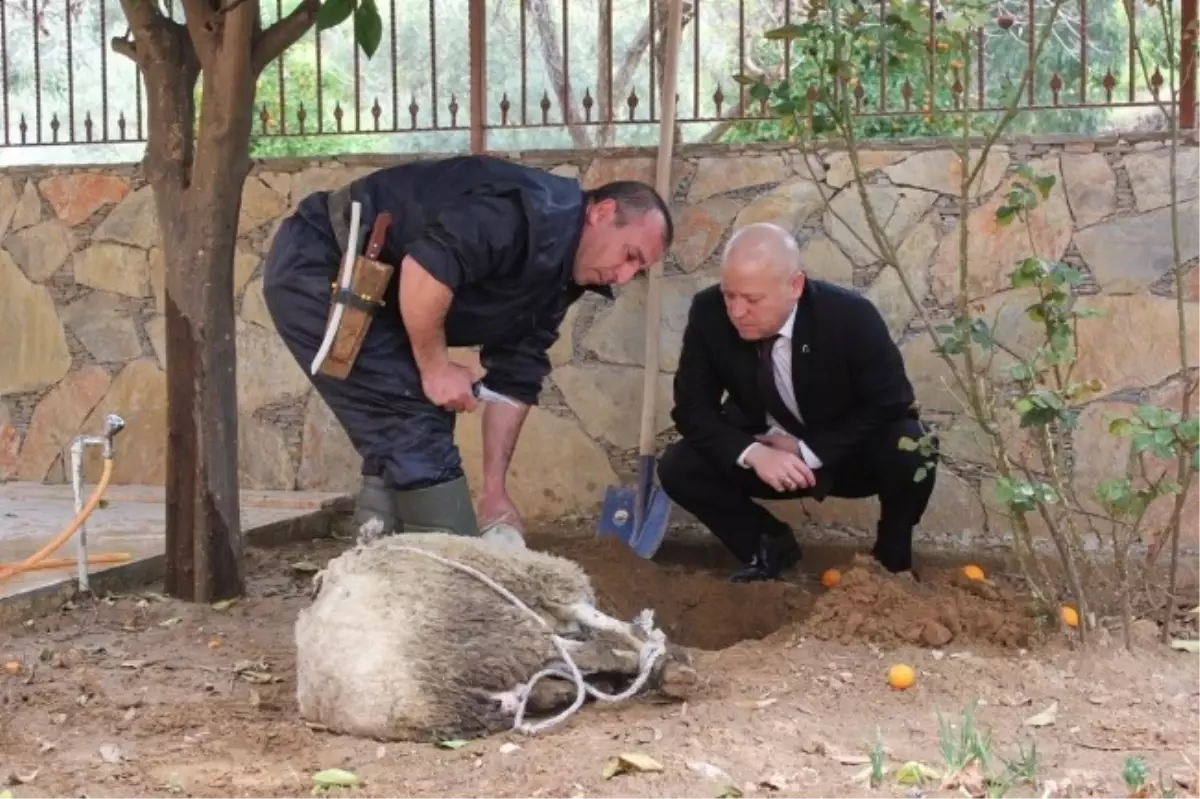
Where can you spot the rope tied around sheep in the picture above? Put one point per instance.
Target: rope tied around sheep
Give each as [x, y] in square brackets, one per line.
[654, 648]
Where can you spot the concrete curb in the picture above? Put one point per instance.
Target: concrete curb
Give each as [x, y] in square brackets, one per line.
[41, 601]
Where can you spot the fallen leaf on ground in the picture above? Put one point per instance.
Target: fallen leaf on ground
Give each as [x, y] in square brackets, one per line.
[335, 778]
[508, 747]
[305, 567]
[776, 782]
[914, 773]
[1015, 701]
[8, 795]
[969, 780]
[258, 673]
[1045, 718]
[728, 792]
[629, 762]
[224, 604]
[1186, 646]
[12, 667]
[171, 622]
[864, 775]
[851, 760]
[706, 770]
[453, 743]
[25, 779]
[110, 753]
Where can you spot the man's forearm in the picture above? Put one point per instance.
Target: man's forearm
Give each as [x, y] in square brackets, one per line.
[424, 302]
[501, 428]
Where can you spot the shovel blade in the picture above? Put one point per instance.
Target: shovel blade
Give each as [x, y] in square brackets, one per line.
[638, 515]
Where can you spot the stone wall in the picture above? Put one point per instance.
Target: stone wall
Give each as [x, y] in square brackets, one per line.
[81, 310]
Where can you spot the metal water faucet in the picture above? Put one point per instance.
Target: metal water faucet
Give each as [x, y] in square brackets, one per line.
[113, 424]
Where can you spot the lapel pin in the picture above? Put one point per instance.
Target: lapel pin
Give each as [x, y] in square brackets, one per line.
[804, 349]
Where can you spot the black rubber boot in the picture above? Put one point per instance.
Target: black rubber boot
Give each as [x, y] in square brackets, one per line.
[445, 507]
[375, 502]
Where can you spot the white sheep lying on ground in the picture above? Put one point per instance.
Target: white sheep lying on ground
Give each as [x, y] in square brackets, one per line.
[401, 645]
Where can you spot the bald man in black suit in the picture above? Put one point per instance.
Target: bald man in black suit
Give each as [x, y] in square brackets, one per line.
[818, 400]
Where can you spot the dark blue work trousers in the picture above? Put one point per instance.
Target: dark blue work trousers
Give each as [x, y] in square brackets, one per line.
[399, 433]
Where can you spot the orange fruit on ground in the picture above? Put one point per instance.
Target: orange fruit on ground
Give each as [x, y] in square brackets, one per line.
[1070, 616]
[901, 676]
[830, 578]
[973, 573]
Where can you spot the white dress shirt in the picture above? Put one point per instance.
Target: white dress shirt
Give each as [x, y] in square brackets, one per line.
[781, 357]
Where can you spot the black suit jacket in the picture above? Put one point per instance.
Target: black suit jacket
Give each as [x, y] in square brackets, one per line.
[848, 374]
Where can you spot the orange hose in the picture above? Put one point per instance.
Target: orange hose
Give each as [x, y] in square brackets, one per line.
[62, 563]
[65, 534]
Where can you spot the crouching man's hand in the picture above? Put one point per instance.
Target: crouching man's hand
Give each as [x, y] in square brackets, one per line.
[781, 468]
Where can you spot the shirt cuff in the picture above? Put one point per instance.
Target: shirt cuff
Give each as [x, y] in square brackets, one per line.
[806, 454]
[741, 461]
[809, 456]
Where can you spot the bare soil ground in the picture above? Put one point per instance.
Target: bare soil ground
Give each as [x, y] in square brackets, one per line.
[137, 695]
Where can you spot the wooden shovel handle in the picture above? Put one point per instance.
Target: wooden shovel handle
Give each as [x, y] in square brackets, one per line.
[662, 182]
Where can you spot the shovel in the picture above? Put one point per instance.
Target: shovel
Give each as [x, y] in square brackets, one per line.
[638, 514]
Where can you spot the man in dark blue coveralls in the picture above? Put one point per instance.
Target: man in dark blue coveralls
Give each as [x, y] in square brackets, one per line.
[488, 253]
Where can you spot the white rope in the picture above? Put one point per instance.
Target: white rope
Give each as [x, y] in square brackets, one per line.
[651, 651]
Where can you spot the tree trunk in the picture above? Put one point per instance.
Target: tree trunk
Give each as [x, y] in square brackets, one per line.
[204, 533]
[197, 180]
[204, 540]
[196, 169]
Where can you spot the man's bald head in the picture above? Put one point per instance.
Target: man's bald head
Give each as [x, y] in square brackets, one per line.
[761, 278]
[762, 245]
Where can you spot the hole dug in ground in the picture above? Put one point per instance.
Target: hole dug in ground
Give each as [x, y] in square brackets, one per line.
[699, 608]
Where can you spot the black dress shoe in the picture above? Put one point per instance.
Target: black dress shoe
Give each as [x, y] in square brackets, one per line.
[775, 555]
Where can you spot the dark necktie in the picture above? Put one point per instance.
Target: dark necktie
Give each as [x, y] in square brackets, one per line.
[770, 391]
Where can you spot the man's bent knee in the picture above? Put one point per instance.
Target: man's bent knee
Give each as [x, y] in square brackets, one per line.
[678, 469]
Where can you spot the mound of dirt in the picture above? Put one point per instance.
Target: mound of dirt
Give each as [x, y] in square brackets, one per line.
[701, 609]
[694, 609]
[871, 604]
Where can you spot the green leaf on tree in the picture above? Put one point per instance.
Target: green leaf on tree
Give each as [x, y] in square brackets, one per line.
[1120, 427]
[784, 32]
[333, 13]
[368, 27]
[760, 92]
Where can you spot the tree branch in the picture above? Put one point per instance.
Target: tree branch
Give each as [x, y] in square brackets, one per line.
[125, 47]
[283, 34]
[141, 15]
[144, 19]
[232, 5]
[201, 19]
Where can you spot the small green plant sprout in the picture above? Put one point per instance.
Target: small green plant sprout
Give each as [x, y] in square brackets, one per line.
[967, 753]
[1134, 775]
[878, 769]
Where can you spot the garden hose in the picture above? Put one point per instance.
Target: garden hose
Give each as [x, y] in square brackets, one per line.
[37, 559]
